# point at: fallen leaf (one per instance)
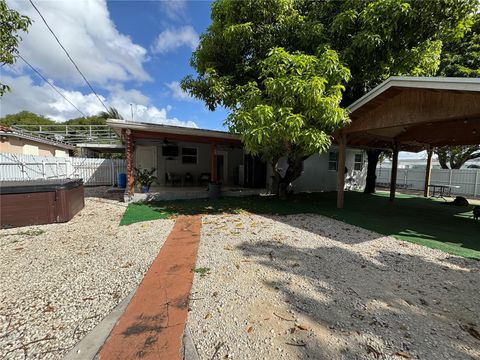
(208, 316)
(237, 266)
(301, 327)
(471, 330)
(250, 329)
(372, 350)
(403, 354)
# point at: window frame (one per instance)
(355, 162)
(334, 161)
(189, 156)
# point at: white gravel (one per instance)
(60, 280)
(306, 286)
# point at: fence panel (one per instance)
(30, 167)
(468, 180)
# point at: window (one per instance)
(332, 161)
(358, 165)
(189, 155)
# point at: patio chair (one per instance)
(172, 178)
(204, 179)
(188, 179)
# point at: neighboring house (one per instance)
(15, 142)
(187, 157)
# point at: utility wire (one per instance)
(49, 83)
(68, 55)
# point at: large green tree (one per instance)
(112, 113)
(291, 110)
(461, 58)
(461, 53)
(25, 118)
(375, 39)
(454, 157)
(11, 23)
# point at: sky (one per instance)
(134, 53)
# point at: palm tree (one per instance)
(112, 113)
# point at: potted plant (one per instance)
(214, 189)
(145, 178)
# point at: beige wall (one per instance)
(13, 145)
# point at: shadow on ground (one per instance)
(376, 306)
(416, 219)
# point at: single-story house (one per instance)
(186, 159)
(15, 142)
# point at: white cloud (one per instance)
(88, 33)
(177, 92)
(172, 39)
(174, 9)
(42, 99)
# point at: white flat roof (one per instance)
(170, 129)
(439, 83)
(100, 146)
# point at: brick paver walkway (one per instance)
(153, 323)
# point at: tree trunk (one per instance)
(370, 183)
(442, 158)
(294, 170)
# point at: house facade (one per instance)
(320, 170)
(186, 158)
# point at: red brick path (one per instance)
(153, 323)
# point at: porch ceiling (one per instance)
(416, 117)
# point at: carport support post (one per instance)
(129, 153)
(342, 145)
(213, 168)
(428, 172)
(393, 178)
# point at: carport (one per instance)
(412, 114)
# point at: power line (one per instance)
(68, 55)
(49, 83)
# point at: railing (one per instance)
(71, 134)
(30, 167)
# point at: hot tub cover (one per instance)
(33, 186)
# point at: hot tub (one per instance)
(36, 202)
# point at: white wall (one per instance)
(175, 165)
(316, 176)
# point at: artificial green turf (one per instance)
(416, 219)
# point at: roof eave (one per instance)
(439, 83)
(117, 126)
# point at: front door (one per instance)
(222, 167)
(146, 157)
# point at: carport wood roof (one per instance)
(416, 113)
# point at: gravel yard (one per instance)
(60, 280)
(307, 286)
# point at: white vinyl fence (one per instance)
(467, 179)
(30, 167)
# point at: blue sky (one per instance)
(133, 52)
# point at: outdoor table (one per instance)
(442, 191)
